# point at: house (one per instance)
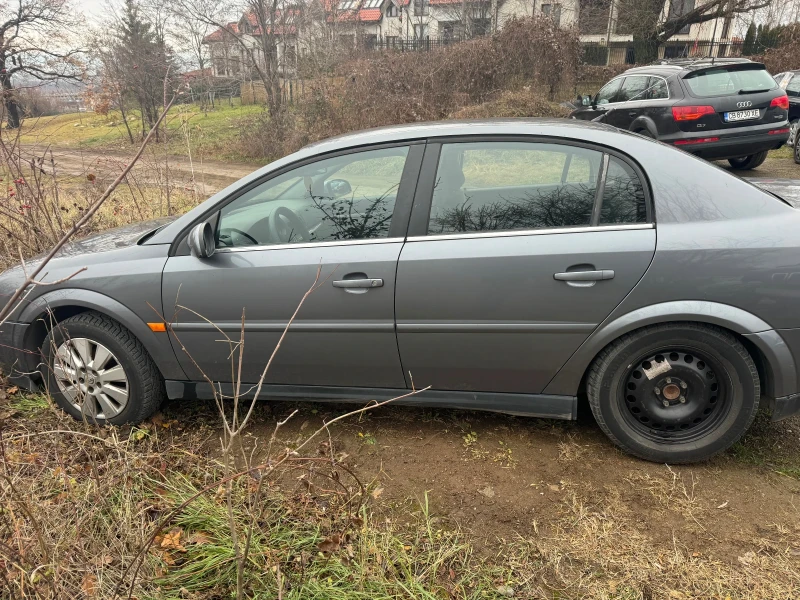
(604, 25)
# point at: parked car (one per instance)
(510, 265)
(722, 109)
(790, 81)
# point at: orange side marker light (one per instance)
(157, 326)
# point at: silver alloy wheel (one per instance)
(91, 377)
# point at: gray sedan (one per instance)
(510, 265)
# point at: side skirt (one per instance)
(526, 405)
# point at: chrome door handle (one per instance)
(358, 283)
(585, 275)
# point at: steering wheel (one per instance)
(286, 227)
(228, 235)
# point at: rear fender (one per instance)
(780, 362)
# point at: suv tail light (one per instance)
(691, 113)
(780, 102)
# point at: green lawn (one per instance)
(210, 133)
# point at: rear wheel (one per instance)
(745, 163)
(97, 370)
(796, 143)
(646, 133)
(674, 393)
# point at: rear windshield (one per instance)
(717, 82)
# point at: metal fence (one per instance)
(594, 53)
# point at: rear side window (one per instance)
(793, 87)
(502, 186)
(721, 81)
(623, 196)
(657, 89)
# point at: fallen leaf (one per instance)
(506, 591)
(723, 505)
(487, 491)
(330, 544)
(747, 558)
(695, 554)
(89, 585)
(172, 540)
(13, 390)
(376, 493)
(554, 488)
(199, 538)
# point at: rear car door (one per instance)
(517, 250)
(631, 97)
(345, 214)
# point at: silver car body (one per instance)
(477, 316)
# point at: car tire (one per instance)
(674, 393)
(646, 133)
(96, 370)
(745, 163)
(796, 146)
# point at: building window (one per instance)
(554, 12)
(678, 8)
(420, 31)
(373, 4)
(421, 7)
(392, 10)
(392, 41)
(347, 4)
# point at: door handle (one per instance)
(358, 283)
(585, 275)
(632, 113)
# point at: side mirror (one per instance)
(337, 187)
(201, 240)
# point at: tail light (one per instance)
(691, 113)
(696, 141)
(779, 131)
(780, 102)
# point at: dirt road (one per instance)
(209, 176)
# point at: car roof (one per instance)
(666, 67)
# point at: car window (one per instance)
(347, 197)
(500, 186)
(793, 87)
(633, 88)
(623, 195)
(608, 92)
(720, 81)
(657, 89)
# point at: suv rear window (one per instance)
(717, 82)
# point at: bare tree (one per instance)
(261, 26)
(35, 44)
(653, 22)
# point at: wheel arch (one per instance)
(772, 356)
(55, 306)
(647, 123)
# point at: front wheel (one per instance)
(796, 142)
(98, 371)
(674, 393)
(745, 163)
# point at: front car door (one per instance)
(630, 101)
(607, 95)
(345, 214)
(517, 250)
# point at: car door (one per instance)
(601, 101)
(517, 250)
(344, 214)
(631, 97)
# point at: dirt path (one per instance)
(208, 175)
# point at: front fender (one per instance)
(157, 344)
(777, 354)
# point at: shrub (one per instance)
(522, 103)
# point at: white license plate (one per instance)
(742, 115)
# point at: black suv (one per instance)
(726, 109)
(790, 81)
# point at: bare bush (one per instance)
(377, 89)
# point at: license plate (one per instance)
(742, 115)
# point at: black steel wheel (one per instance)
(677, 392)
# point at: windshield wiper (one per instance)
(750, 91)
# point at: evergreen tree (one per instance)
(749, 44)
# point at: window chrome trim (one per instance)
(321, 244)
(527, 232)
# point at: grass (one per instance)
(211, 133)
